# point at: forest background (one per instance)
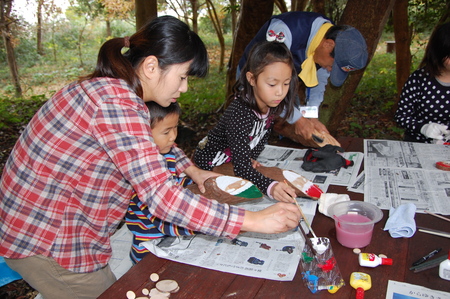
(49, 43)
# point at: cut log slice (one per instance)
(167, 286)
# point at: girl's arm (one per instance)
(240, 129)
(405, 116)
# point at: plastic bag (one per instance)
(320, 272)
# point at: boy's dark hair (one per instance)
(438, 49)
(261, 55)
(158, 112)
(167, 38)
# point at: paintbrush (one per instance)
(303, 215)
(438, 216)
(307, 240)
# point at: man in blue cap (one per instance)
(321, 50)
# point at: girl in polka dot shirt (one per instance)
(267, 85)
(424, 107)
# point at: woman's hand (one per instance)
(199, 176)
(283, 192)
(275, 219)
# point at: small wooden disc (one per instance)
(154, 277)
(131, 295)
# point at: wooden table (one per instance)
(196, 282)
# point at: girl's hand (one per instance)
(283, 192)
(277, 218)
(255, 164)
(199, 176)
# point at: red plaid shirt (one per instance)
(69, 179)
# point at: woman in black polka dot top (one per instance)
(424, 107)
(266, 87)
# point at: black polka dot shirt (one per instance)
(423, 100)
(239, 135)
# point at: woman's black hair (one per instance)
(167, 38)
(158, 112)
(438, 49)
(261, 55)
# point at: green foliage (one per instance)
(204, 96)
(19, 111)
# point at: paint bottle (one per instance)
(372, 260)
(360, 282)
(444, 268)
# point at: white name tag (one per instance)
(310, 111)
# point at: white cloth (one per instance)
(435, 131)
(327, 199)
(401, 223)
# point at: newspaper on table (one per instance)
(269, 256)
(292, 159)
(399, 172)
(357, 186)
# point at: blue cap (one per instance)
(350, 54)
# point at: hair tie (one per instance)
(126, 41)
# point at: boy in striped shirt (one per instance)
(143, 225)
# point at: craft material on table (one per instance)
(361, 282)
(429, 264)
(372, 260)
(320, 270)
(292, 159)
(303, 184)
(444, 268)
(397, 289)
(398, 172)
(434, 232)
(228, 189)
(436, 215)
(401, 223)
(274, 257)
(426, 257)
(354, 221)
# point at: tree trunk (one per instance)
(218, 28)
(194, 6)
(108, 28)
(298, 5)
(369, 19)
(253, 15)
(402, 33)
(234, 13)
(319, 6)
(39, 47)
(5, 21)
(281, 5)
(146, 10)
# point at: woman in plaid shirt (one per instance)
(69, 179)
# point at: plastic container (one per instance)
(361, 282)
(372, 260)
(444, 268)
(354, 221)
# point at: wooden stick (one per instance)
(438, 216)
(303, 215)
(435, 232)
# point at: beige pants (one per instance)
(53, 281)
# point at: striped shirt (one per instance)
(69, 179)
(145, 226)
